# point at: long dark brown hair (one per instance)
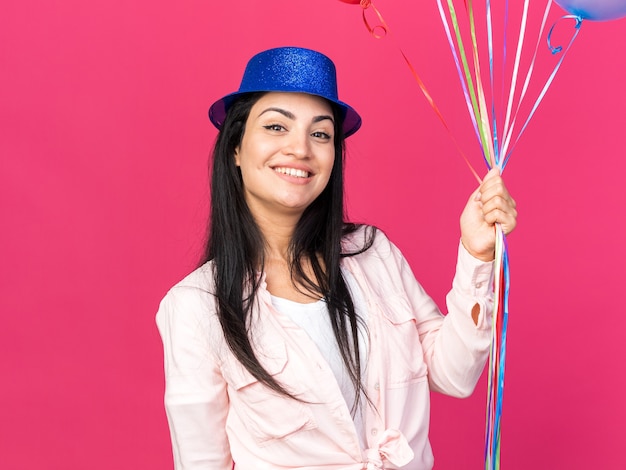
(235, 246)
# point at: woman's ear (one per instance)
(237, 162)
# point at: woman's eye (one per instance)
(321, 135)
(274, 127)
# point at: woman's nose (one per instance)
(298, 144)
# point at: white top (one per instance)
(313, 318)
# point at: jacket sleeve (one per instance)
(455, 348)
(196, 399)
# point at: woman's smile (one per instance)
(292, 172)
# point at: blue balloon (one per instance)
(596, 10)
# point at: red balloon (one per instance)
(354, 2)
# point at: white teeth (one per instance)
(292, 172)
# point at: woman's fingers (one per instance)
(497, 204)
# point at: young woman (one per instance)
(304, 341)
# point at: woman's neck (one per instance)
(277, 232)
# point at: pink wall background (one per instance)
(104, 140)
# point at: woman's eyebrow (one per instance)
(290, 115)
(284, 112)
(323, 117)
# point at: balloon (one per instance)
(597, 10)
(351, 1)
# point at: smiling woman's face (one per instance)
(287, 153)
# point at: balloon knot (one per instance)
(365, 4)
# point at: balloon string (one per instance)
(554, 50)
(365, 4)
(468, 102)
(492, 361)
(468, 78)
(491, 392)
(482, 103)
(518, 55)
(382, 26)
(507, 137)
(494, 121)
(497, 353)
(505, 322)
(504, 64)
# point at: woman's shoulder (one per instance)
(365, 239)
(200, 278)
(382, 269)
(192, 293)
(187, 318)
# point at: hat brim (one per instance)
(217, 112)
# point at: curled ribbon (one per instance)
(365, 4)
(382, 26)
(393, 447)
